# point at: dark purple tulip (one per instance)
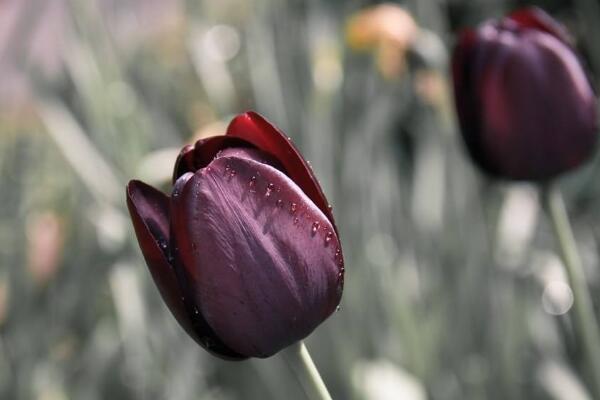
(245, 252)
(525, 105)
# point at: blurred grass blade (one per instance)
(79, 151)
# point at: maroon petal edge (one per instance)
(253, 128)
(149, 210)
(193, 157)
(536, 18)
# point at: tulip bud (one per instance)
(526, 108)
(245, 251)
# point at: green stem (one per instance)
(299, 359)
(585, 322)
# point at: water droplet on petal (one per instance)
(315, 227)
(270, 188)
(328, 237)
(296, 220)
(232, 173)
(279, 203)
(252, 183)
(293, 208)
(338, 308)
(329, 207)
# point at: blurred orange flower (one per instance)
(388, 30)
(45, 241)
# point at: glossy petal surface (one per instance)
(256, 130)
(203, 333)
(262, 258)
(149, 211)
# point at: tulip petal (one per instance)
(256, 130)
(465, 78)
(149, 211)
(185, 162)
(536, 18)
(193, 157)
(263, 259)
(203, 334)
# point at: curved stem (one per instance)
(585, 322)
(299, 359)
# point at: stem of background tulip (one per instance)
(299, 359)
(585, 322)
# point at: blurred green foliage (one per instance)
(453, 287)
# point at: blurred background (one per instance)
(453, 287)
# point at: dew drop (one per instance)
(279, 203)
(329, 207)
(338, 308)
(296, 220)
(227, 169)
(252, 183)
(270, 188)
(293, 208)
(328, 237)
(232, 173)
(315, 227)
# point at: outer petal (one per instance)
(203, 333)
(263, 260)
(185, 162)
(254, 129)
(465, 77)
(149, 210)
